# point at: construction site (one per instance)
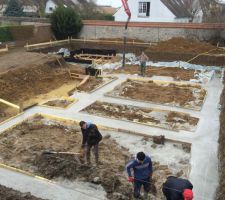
(173, 114)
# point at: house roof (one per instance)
(41, 2)
(107, 9)
(179, 7)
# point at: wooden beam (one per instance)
(10, 104)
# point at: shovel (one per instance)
(48, 152)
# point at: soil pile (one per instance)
(24, 83)
(183, 45)
(175, 72)
(221, 188)
(153, 117)
(23, 145)
(10, 194)
(188, 96)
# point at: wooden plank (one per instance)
(83, 81)
(10, 104)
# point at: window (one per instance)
(144, 9)
(51, 8)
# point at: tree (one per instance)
(14, 9)
(65, 22)
(213, 11)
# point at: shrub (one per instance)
(65, 22)
(5, 34)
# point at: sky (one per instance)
(114, 3)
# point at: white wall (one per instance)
(158, 12)
(50, 4)
(28, 9)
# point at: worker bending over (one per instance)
(91, 138)
(142, 174)
(177, 189)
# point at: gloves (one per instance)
(131, 179)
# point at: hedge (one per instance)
(16, 33)
(5, 34)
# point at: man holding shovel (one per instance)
(91, 138)
(142, 174)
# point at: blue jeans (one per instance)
(137, 187)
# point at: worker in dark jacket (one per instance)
(177, 189)
(91, 138)
(142, 174)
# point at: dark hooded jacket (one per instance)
(91, 135)
(174, 187)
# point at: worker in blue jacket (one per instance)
(139, 172)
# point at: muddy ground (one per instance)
(175, 72)
(94, 83)
(159, 118)
(61, 103)
(23, 145)
(10, 194)
(187, 96)
(221, 188)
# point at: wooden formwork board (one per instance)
(9, 104)
(6, 49)
(160, 83)
(103, 85)
(11, 118)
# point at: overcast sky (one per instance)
(114, 3)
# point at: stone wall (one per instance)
(151, 32)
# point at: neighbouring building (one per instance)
(36, 7)
(107, 9)
(152, 11)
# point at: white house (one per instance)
(149, 11)
(50, 6)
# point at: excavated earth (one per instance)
(23, 147)
(175, 72)
(61, 103)
(160, 118)
(185, 95)
(221, 188)
(10, 194)
(183, 45)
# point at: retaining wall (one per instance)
(151, 32)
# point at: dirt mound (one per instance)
(109, 173)
(185, 46)
(221, 188)
(23, 83)
(10, 194)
